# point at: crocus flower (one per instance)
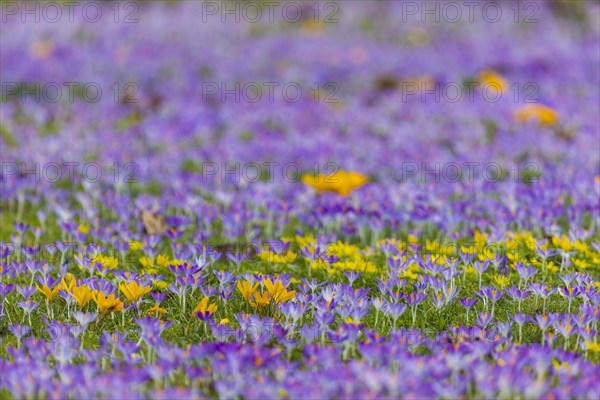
(467, 303)
(491, 78)
(247, 289)
(536, 112)
(152, 330)
(82, 293)
(570, 294)
(84, 319)
(544, 321)
(205, 311)
(484, 319)
(134, 291)
(525, 272)
(520, 319)
(5, 290)
(340, 182)
(278, 292)
(158, 296)
(28, 305)
(504, 328)
(49, 291)
(394, 310)
(26, 291)
(260, 300)
(21, 228)
(107, 304)
(19, 331)
(156, 309)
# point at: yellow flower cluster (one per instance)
(585, 258)
(439, 249)
(106, 261)
(502, 280)
(135, 245)
(340, 249)
(518, 246)
(83, 294)
(272, 257)
(275, 292)
(151, 264)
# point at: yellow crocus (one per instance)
(260, 300)
(134, 291)
(68, 281)
(536, 112)
(49, 293)
(105, 261)
(107, 304)
(490, 78)
(204, 310)
(284, 296)
(82, 293)
(278, 292)
(340, 182)
(247, 289)
(313, 27)
(156, 309)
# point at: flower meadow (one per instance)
(333, 200)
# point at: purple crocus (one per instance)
(520, 319)
(467, 303)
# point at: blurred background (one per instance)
(166, 97)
